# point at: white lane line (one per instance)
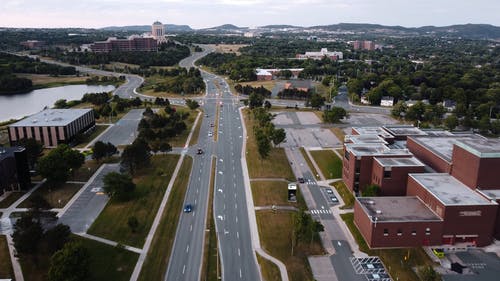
(239, 253)
(191, 228)
(236, 219)
(187, 249)
(193, 213)
(199, 178)
(195, 201)
(235, 206)
(197, 190)
(238, 234)
(183, 269)
(224, 207)
(240, 274)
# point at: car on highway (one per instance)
(206, 115)
(334, 199)
(199, 151)
(329, 191)
(212, 125)
(301, 180)
(188, 208)
(210, 134)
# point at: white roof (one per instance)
(51, 118)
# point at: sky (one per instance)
(249, 13)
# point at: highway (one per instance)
(238, 260)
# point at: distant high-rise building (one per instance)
(363, 45)
(158, 31)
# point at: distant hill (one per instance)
(472, 31)
(226, 27)
(146, 28)
(279, 26)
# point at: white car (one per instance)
(210, 134)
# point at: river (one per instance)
(18, 106)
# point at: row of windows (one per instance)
(400, 232)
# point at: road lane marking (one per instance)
(191, 228)
(238, 234)
(239, 253)
(240, 274)
(183, 269)
(236, 219)
(187, 249)
(235, 206)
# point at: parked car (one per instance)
(329, 191)
(334, 199)
(301, 180)
(188, 208)
(199, 151)
(210, 134)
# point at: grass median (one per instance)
(309, 163)
(196, 133)
(270, 271)
(328, 162)
(399, 262)
(156, 263)
(346, 195)
(151, 183)
(6, 271)
(276, 165)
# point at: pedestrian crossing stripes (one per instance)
(321, 211)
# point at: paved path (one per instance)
(251, 213)
(109, 242)
(279, 208)
(315, 165)
(159, 213)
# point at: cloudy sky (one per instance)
(208, 13)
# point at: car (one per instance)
(188, 208)
(210, 134)
(199, 151)
(334, 199)
(212, 125)
(329, 191)
(206, 115)
(301, 180)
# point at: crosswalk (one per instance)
(320, 211)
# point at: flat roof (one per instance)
(449, 190)
(492, 194)
(404, 130)
(372, 131)
(51, 117)
(483, 148)
(399, 162)
(396, 209)
(374, 149)
(443, 146)
(8, 152)
(364, 139)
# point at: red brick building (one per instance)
(452, 176)
(133, 43)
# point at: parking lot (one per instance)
(371, 267)
(479, 266)
(124, 131)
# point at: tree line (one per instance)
(182, 81)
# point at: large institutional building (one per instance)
(321, 54)
(158, 32)
(14, 169)
(132, 43)
(436, 187)
(53, 126)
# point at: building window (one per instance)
(400, 232)
(413, 232)
(387, 174)
(386, 232)
(346, 155)
(427, 231)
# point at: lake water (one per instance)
(18, 106)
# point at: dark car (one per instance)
(301, 180)
(199, 151)
(188, 208)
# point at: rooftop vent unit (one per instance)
(378, 212)
(370, 202)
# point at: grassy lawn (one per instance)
(150, 82)
(229, 48)
(11, 198)
(156, 263)
(106, 262)
(394, 259)
(6, 271)
(46, 81)
(346, 195)
(88, 168)
(196, 133)
(270, 272)
(266, 193)
(339, 133)
(88, 138)
(328, 162)
(276, 165)
(180, 140)
(275, 231)
(151, 182)
(112, 119)
(56, 196)
(309, 163)
(266, 84)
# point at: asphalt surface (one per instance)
(238, 260)
(124, 131)
(89, 203)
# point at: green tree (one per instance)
(334, 115)
(278, 136)
(59, 162)
(56, 237)
(135, 155)
(71, 263)
(315, 101)
(371, 190)
(255, 100)
(102, 150)
(119, 186)
(27, 234)
(60, 103)
(451, 122)
(33, 148)
(427, 273)
(192, 104)
(263, 145)
(399, 109)
(133, 223)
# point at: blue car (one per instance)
(188, 208)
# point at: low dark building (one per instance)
(14, 169)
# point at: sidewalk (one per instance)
(254, 231)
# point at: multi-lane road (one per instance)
(238, 261)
